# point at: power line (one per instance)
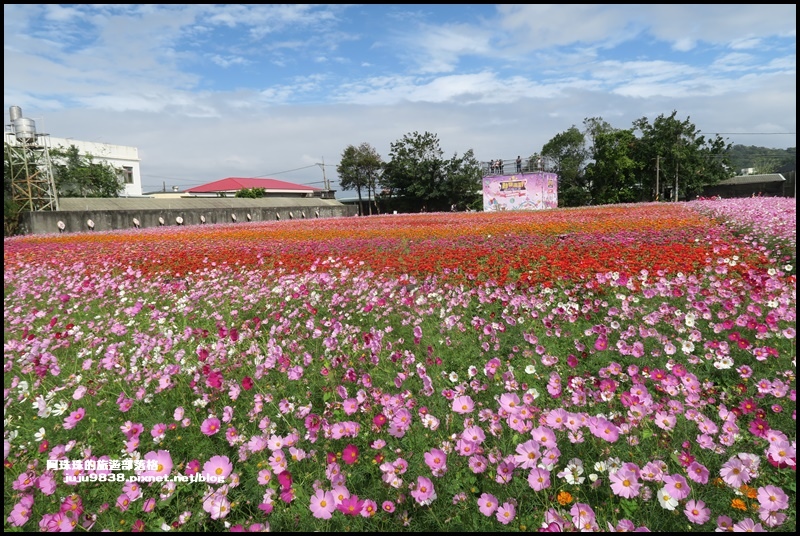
(758, 133)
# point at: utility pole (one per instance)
(324, 177)
(658, 192)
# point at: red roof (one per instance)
(238, 183)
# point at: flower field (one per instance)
(611, 368)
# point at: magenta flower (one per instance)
(192, 468)
(72, 420)
(487, 504)
(217, 468)
(697, 512)
(247, 383)
(210, 426)
(350, 454)
(322, 504)
(351, 506)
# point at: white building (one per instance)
(121, 157)
(21, 133)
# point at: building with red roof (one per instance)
(273, 188)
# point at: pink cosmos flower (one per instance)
(217, 468)
(487, 504)
(527, 454)
(624, 483)
(162, 462)
(539, 479)
(388, 506)
(697, 472)
(72, 420)
(677, 486)
(463, 404)
(210, 426)
(582, 516)
(123, 502)
(369, 508)
(506, 513)
(247, 383)
(21, 512)
(322, 504)
(436, 460)
(149, 505)
(217, 505)
(734, 473)
(772, 498)
(748, 525)
(424, 493)
(697, 512)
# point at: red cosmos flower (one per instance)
(247, 383)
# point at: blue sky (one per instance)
(242, 90)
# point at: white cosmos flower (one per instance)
(60, 408)
(666, 501)
(39, 436)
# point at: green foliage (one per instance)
(11, 209)
(78, 175)
(566, 155)
(604, 165)
(676, 158)
(360, 167)
(762, 159)
(418, 172)
(251, 193)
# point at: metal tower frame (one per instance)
(32, 181)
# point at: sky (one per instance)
(207, 92)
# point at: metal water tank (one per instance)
(14, 113)
(25, 130)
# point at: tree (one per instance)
(677, 160)
(418, 175)
(78, 175)
(566, 155)
(251, 193)
(613, 174)
(11, 209)
(360, 167)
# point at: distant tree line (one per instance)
(668, 159)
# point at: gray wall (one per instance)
(112, 219)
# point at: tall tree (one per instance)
(418, 174)
(566, 155)
(360, 167)
(78, 175)
(613, 174)
(677, 161)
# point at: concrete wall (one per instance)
(107, 219)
